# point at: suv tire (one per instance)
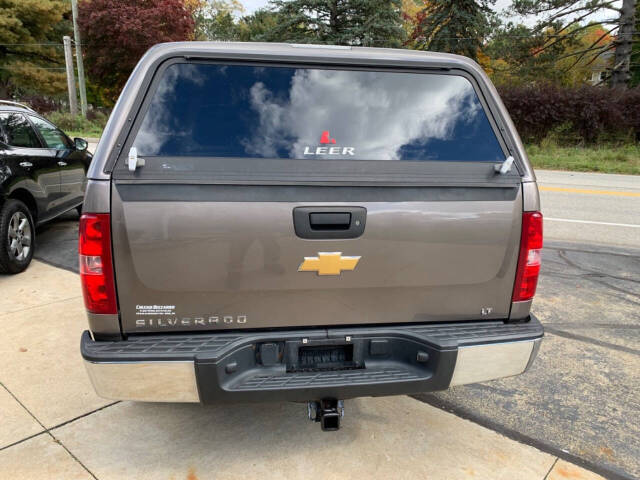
(17, 237)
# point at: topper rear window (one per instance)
(211, 110)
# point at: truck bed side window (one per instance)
(305, 113)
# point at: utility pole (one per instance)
(76, 37)
(71, 81)
(620, 75)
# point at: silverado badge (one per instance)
(328, 263)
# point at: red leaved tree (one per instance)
(115, 34)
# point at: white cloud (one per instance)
(376, 112)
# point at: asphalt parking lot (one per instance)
(579, 405)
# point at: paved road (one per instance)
(591, 208)
(581, 400)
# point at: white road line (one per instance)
(630, 225)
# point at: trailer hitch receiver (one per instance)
(328, 412)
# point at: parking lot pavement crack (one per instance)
(593, 341)
(589, 272)
(551, 469)
(595, 252)
(22, 440)
(26, 409)
(84, 415)
(48, 431)
(595, 280)
(72, 455)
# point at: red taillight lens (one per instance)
(529, 259)
(96, 269)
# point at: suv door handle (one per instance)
(62, 164)
(329, 222)
(26, 164)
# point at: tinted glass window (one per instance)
(53, 137)
(18, 131)
(278, 112)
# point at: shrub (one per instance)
(90, 126)
(41, 103)
(582, 115)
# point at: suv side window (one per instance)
(18, 131)
(53, 137)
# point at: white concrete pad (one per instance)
(392, 437)
(40, 284)
(40, 350)
(15, 422)
(40, 458)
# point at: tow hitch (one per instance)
(328, 412)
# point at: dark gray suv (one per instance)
(309, 223)
(42, 175)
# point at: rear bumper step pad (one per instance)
(265, 366)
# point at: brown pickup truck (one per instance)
(271, 222)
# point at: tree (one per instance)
(569, 17)
(635, 52)
(257, 26)
(215, 19)
(28, 63)
(454, 26)
(118, 33)
(516, 55)
(371, 23)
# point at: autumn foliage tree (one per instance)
(29, 62)
(116, 34)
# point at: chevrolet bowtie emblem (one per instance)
(328, 263)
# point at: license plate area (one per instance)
(323, 357)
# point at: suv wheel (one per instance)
(17, 237)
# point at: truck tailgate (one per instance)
(207, 263)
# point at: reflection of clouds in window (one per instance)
(158, 127)
(376, 112)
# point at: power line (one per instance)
(15, 69)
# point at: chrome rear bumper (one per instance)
(233, 372)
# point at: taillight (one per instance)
(529, 259)
(96, 269)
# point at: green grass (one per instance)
(92, 133)
(78, 126)
(603, 159)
